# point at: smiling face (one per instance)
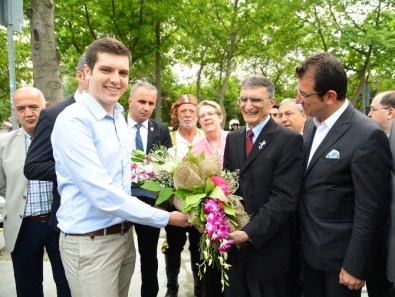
(108, 79)
(209, 119)
(142, 105)
(255, 113)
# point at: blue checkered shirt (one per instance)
(39, 193)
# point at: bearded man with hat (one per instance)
(184, 134)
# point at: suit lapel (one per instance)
(151, 135)
(308, 136)
(261, 143)
(338, 129)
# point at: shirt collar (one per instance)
(78, 96)
(329, 122)
(257, 129)
(96, 109)
(132, 123)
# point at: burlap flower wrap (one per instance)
(188, 175)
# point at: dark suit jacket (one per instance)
(346, 191)
(40, 163)
(391, 228)
(270, 179)
(158, 134)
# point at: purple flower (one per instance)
(210, 205)
(225, 245)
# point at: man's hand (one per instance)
(350, 281)
(178, 219)
(239, 237)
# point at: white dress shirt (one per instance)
(92, 153)
(324, 127)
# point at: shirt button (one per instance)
(24, 197)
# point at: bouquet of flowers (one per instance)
(197, 187)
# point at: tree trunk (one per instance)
(45, 56)
(158, 63)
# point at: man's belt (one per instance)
(41, 218)
(115, 229)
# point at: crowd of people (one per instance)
(316, 177)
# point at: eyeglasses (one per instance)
(303, 95)
(210, 114)
(253, 100)
(373, 109)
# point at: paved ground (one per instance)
(7, 284)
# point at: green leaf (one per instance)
(229, 210)
(209, 185)
(218, 193)
(193, 200)
(164, 195)
(182, 193)
(202, 215)
(151, 186)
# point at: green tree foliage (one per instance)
(23, 68)
(224, 41)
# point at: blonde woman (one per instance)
(210, 117)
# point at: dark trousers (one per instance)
(377, 283)
(212, 282)
(176, 238)
(242, 286)
(147, 239)
(27, 260)
(318, 283)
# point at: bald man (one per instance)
(28, 204)
(382, 110)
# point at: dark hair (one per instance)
(257, 81)
(105, 45)
(328, 74)
(388, 99)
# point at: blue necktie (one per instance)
(139, 141)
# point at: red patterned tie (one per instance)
(249, 142)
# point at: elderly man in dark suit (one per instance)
(145, 133)
(270, 159)
(346, 187)
(40, 163)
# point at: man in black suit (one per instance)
(270, 179)
(40, 163)
(391, 227)
(346, 186)
(146, 133)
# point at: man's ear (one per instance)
(331, 97)
(390, 113)
(87, 71)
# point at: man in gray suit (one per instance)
(345, 191)
(28, 204)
